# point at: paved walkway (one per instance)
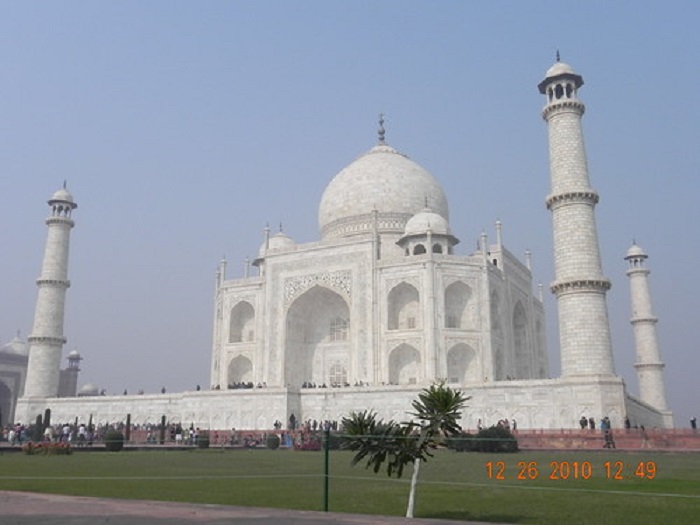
(27, 508)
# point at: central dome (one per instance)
(384, 180)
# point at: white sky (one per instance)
(183, 127)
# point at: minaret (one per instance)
(579, 285)
(649, 366)
(46, 340)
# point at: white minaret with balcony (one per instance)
(649, 366)
(579, 284)
(46, 340)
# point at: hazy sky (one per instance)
(182, 128)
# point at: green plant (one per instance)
(462, 442)
(496, 439)
(203, 440)
(272, 442)
(438, 408)
(113, 440)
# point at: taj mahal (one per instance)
(380, 307)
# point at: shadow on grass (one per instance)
(468, 516)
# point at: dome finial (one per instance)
(558, 57)
(382, 131)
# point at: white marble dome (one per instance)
(381, 179)
(636, 251)
(277, 243)
(62, 195)
(559, 68)
(425, 220)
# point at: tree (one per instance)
(437, 410)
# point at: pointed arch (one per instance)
(240, 370)
(318, 337)
(403, 307)
(404, 365)
(242, 323)
(462, 366)
(521, 346)
(457, 296)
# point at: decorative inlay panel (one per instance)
(340, 282)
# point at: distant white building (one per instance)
(381, 307)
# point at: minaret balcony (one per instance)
(563, 106)
(589, 197)
(47, 339)
(58, 283)
(60, 220)
(648, 319)
(580, 285)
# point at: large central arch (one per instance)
(317, 342)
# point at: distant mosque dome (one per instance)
(16, 347)
(427, 220)
(88, 390)
(383, 180)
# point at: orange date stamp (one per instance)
(563, 470)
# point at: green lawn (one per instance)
(452, 485)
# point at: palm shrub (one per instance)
(437, 410)
(113, 440)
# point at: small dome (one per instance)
(74, 355)
(62, 195)
(425, 220)
(88, 390)
(559, 68)
(16, 347)
(381, 179)
(635, 251)
(277, 243)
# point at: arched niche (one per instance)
(317, 337)
(242, 323)
(462, 366)
(240, 370)
(403, 307)
(404, 365)
(457, 296)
